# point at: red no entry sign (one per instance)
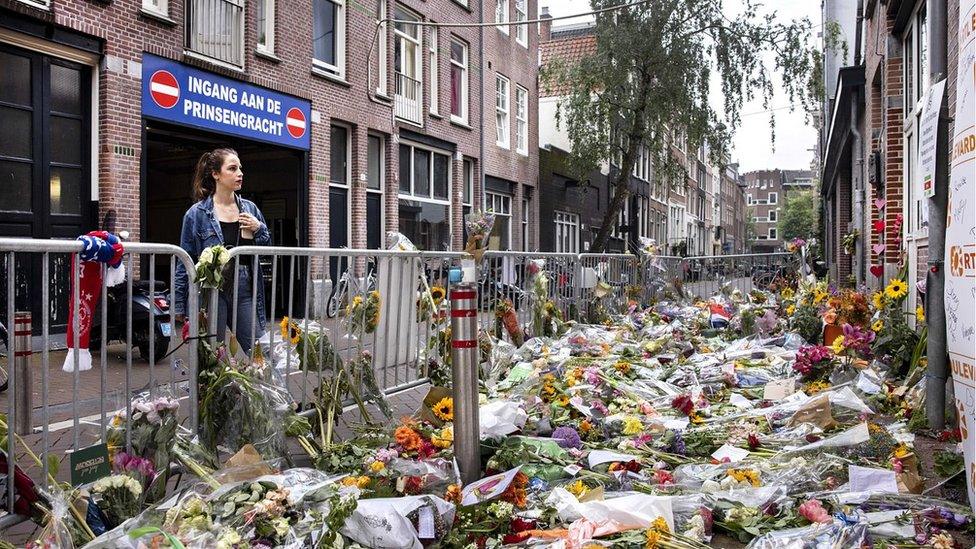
(295, 120)
(164, 88)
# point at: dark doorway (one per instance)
(45, 171)
(374, 226)
(338, 228)
(274, 178)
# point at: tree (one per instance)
(799, 218)
(646, 82)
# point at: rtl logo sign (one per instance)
(962, 261)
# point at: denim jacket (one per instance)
(202, 230)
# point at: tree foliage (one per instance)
(647, 82)
(799, 217)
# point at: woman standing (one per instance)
(220, 216)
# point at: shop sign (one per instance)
(185, 95)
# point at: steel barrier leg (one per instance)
(464, 368)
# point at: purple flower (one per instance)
(567, 437)
(600, 407)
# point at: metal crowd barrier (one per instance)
(75, 410)
(705, 276)
(506, 275)
(318, 284)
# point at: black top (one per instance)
(232, 235)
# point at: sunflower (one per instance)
(896, 289)
(919, 314)
(437, 294)
(290, 331)
(877, 299)
(563, 401)
(787, 293)
(819, 296)
(790, 310)
(878, 325)
(444, 409)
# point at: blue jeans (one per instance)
(246, 323)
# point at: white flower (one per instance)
(696, 528)
(727, 483)
(224, 256)
(710, 487)
(206, 256)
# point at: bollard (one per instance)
(20, 373)
(464, 367)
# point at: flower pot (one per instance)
(831, 332)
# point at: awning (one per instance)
(850, 87)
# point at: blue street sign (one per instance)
(178, 93)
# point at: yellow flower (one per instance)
(362, 481)
(745, 475)
(838, 345)
(290, 331)
(377, 466)
(660, 525)
(896, 289)
(632, 425)
(577, 489)
(356, 300)
(787, 293)
(444, 409)
(815, 387)
(653, 537)
(877, 299)
(902, 451)
(818, 296)
(563, 400)
(444, 439)
(790, 310)
(919, 314)
(437, 294)
(622, 367)
(878, 325)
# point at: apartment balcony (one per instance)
(216, 30)
(408, 103)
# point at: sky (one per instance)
(753, 147)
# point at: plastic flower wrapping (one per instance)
(677, 421)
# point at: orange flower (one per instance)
(830, 316)
(585, 426)
(407, 438)
(453, 494)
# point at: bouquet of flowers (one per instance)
(429, 305)
(813, 362)
(152, 431)
(506, 317)
(479, 225)
(364, 313)
(118, 496)
(210, 267)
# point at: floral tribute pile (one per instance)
(783, 417)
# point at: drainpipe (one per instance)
(857, 161)
(481, 107)
(935, 378)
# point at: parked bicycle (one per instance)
(348, 285)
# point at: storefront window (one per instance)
(426, 224)
(501, 234)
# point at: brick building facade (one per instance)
(397, 126)
(869, 140)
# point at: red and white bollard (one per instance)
(464, 369)
(20, 375)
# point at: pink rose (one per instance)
(813, 511)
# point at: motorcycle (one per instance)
(144, 300)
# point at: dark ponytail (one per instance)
(204, 184)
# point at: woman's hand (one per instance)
(248, 222)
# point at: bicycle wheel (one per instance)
(335, 300)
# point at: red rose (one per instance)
(753, 441)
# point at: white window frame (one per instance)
(430, 170)
(463, 65)
(521, 31)
(339, 69)
(467, 175)
(503, 120)
(159, 7)
(772, 198)
(435, 71)
(521, 120)
(348, 129)
(501, 15)
(773, 234)
(269, 27)
(773, 216)
(915, 43)
(496, 203)
(567, 232)
(525, 224)
(381, 84)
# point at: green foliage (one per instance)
(948, 463)
(648, 80)
(799, 218)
